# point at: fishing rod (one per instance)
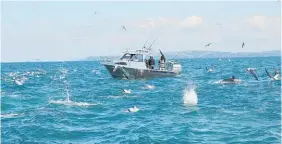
(144, 46)
(152, 44)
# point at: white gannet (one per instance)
(126, 91)
(19, 82)
(134, 109)
(123, 27)
(243, 44)
(208, 44)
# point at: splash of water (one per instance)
(68, 102)
(71, 103)
(149, 87)
(190, 96)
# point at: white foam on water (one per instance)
(125, 96)
(217, 82)
(237, 81)
(149, 87)
(190, 97)
(71, 103)
(68, 102)
(19, 82)
(63, 70)
(10, 115)
(95, 71)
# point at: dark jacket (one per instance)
(151, 61)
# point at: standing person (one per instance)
(162, 63)
(151, 62)
(147, 63)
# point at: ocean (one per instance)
(79, 102)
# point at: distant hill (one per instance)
(218, 54)
(97, 58)
(201, 54)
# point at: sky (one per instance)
(70, 30)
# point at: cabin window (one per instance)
(126, 57)
(137, 58)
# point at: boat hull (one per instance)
(132, 73)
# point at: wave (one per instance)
(71, 103)
(10, 115)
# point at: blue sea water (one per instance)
(37, 111)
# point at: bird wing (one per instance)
(254, 74)
(268, 73)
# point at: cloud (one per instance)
(191, 21)
(264, 22)
(257, 21)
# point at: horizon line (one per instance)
(85, 60)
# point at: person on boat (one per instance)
(147, 63)
(162, 63)
(151, 62)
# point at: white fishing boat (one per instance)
(139, 64)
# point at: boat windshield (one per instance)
(137, 58)
(127, 56)
(132, 57)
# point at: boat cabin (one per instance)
(134, 59)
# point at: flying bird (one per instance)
(123, 27)
(95, 13)
(208, 44)
(243, 44)
(269, 75)
(253, 72)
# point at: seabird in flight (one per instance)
(208, 44)
(123, 27)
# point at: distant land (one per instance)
(201, 54)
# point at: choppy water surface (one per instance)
(79, 102)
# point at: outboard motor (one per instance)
(175, 67)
